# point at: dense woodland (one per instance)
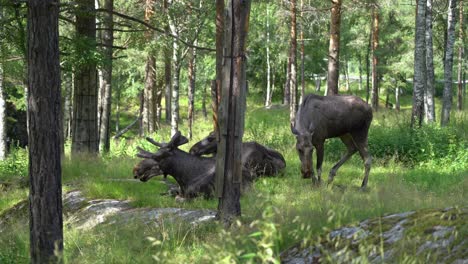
(82, 83)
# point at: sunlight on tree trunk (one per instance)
(293, 63)
(448, 64)
(430, 89)
(334, 49)
(375, 46)
(460, 61)
(3, 136)
(45, 186)
(419, 83)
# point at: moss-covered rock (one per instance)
(427, 236)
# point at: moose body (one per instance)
(195, 175)
(256, 158)
(323, 117)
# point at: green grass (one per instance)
(412, 169)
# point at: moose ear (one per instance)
(294, 130)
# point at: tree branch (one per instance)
(153, 28)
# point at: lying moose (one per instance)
(195, 175)
(257, 159)
(322, 117)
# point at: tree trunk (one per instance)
(375, 45)
(85, 130)
(420, 69)
(368, 53)
(460, 61)
(334, 49)
(191, 89)
(175, 93)
(268, 91)
(3, 117)
(67, 106)
(108, 41)
(318, 82)
(397, 98)
(45, 191)
(141, 129)
(360, 72)
(430, 90)
(287, 91)
(117, 109)
(448, 64)
(232, 111)
(216, 86)
(293, 62)
(149, 110)
(167, 71)
(204, 112)
(346, 70)
(302, 54)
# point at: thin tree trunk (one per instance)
(397, 98)
(375, 45)
(216, 87)
(430, 90)
(149, 107)
(448, 64)
(318, 82)
(108, 41)
(204, 112)
(67, 106)
(191, 89)
(3, 132)
(175, 92)
(460, 61)
(360, 72)
(167, 71)
(268, 91)
(334, 49)
(232, 112)
(346, 70)
(85, 131)
(368, 53)
(293, 62)
(141, 129)
(302, 54)
(287, 91)
(420, 69)
(117, 109)
(45, 191)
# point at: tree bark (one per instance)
(117, 108)
(108, 41)
(268, 91)
(85, 130)
(334, 48)
(430, 90)
(67, 107)
(302, 55)
(204, 112)
(232, 111)
(287, 90)
(460, 61)
(3, 132)
(448, 64)
(419, 83)
(191, 89)
(368, 53)
(44, 100)
(360, 72)
(375, 45)
(293, 62)
(167, 70)
(149, 109)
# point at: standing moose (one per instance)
(322, 117)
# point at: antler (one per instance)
(152, 141)
(149, 155)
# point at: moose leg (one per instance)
(319, 148)
(366, 157)
(351, 147)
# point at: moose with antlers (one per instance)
(195, 175)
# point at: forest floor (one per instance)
(412, 170)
